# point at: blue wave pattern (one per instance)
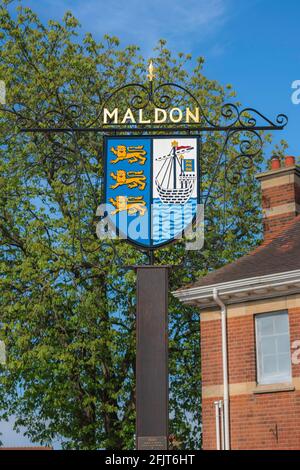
(170, 220)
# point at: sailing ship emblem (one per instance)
(176, 178)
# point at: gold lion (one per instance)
(130, 204)
(132, 179)
(132, 154)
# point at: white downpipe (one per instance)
(222, 425)
(221, 304)
(218, 442)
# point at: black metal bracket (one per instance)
(231, 117)
(241, 127)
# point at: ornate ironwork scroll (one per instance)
(242, 127)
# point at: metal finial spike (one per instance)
(151, 74)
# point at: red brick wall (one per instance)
(211, 352)
(278, 196)
(253, 417)
(294, 321)
(241, 352)
(272, 225)
(283, 194)
(253, 420)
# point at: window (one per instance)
(273, 348)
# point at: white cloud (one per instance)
(184, 23)
(146, 21)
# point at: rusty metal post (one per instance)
(152, 358)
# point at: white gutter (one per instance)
(221, 304)
(288, 279)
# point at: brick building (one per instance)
(250, 330)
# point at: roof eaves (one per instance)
(240, 289)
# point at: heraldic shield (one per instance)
(151, 187)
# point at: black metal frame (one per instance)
(235, 120)
(232, 121)
(239, 119)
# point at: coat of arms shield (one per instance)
(151, 187)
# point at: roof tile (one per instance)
(280, 254)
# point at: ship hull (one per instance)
(175, 195)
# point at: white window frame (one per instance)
(275, 379)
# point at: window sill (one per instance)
(272, 388)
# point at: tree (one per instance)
(67, 301)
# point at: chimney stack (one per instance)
(280, 189)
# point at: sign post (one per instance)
(152, 358)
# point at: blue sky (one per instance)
(252, 44)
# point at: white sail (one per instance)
(174, 184)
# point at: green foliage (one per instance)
(279, 150)
(67, 302)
